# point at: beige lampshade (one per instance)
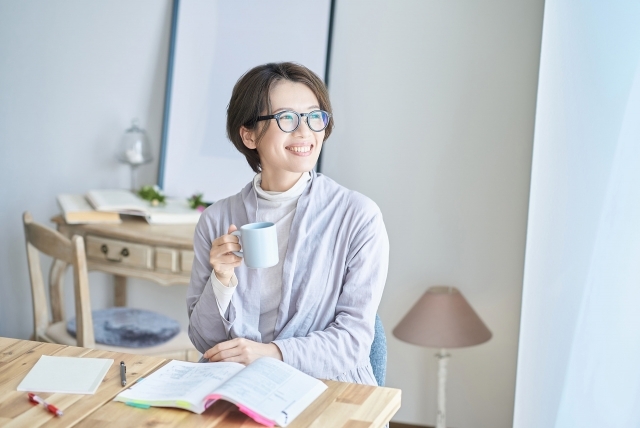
(442, 318)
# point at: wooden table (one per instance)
(341, 405)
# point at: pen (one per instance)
(123, 373)
(50, 407)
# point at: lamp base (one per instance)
(443, 358)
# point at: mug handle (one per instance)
(239, 235)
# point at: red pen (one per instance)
(50, 407)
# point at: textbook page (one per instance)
(180, 384)
(273, 389)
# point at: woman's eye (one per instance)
(287, 117)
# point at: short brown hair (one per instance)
(250, 98)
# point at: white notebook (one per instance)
(70, 375)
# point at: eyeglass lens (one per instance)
(289, 121)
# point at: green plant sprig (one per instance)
(196, 202)
(153, 194)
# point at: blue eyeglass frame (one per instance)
(300, 116)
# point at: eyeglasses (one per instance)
(288, 121)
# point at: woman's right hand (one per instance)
(222, 259)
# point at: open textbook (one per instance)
(269, 391)
(175, 211)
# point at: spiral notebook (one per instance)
(69, 375)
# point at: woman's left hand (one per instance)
(242, 351)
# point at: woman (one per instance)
(315, 310)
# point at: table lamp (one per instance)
(442, 318)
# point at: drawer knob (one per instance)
(105, 250)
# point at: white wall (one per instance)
(434, 104)
(580, 338)
(72, 76)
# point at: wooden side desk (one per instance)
(134, 248)
(341, 405)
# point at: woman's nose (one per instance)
(303, 129)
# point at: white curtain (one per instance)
(579, 353)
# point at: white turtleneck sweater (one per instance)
(278, 208)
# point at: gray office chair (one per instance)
(378, 353)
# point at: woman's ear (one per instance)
(248, 137)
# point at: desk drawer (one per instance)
(186, 260)
(166, 259)
(119, 252)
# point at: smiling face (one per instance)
(285, 156)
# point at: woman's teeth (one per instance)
(299, 149)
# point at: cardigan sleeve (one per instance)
(345, 344)
(207, 326)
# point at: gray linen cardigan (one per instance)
(333, 276)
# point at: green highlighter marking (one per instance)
(183, 404)
(138, 405)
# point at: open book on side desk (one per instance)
(175, 211)
(76, 209)
(267, 390)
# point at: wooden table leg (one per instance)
(120, 290)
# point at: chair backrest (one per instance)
(40, 238)
(378, 353)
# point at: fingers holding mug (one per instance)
(222, 258)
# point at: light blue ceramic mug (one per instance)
(259, 242)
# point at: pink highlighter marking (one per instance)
(210, 399)
(256, 417)
(253, 415)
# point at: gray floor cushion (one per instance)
(129, 327)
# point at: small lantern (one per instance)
(134, 150)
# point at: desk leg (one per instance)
(56, 283)
(120, 298)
